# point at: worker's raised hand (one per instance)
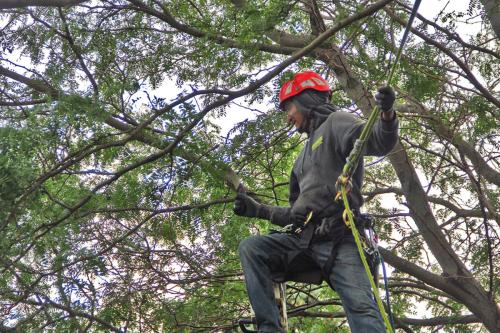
(385, 98)
(244, 205)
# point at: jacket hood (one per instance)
(315, 108)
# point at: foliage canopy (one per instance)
(119, 157)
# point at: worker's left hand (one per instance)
(385, 98)
(244, 205)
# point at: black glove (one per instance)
(385, 98)
(298, 216)
(298, 219)
(245, 205)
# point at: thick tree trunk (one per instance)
(473, 295)
(492, 9)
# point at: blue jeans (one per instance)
(258, 257)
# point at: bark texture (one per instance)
(492, 8)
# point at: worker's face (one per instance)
(294, 117)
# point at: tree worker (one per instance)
(318, 238)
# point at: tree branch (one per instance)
(493, 14)
(442, 320)
(463, 146)
(7, 4)
(471, 77)
(410, 268)
(452, 35)
(436, 200)
(73, 312)
(216, 37)
(435, 321)
(37, 85)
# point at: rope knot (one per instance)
(343, 182)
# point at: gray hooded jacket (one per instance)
(319, 164)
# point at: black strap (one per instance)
(327, 268)
(306, 236)
(329, 265)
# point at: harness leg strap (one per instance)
(329, 265)
(305, 236)
(327, 268)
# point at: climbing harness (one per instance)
(344, 180)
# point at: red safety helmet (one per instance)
(300, 82)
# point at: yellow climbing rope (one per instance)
(349, 220)
(344, 180)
